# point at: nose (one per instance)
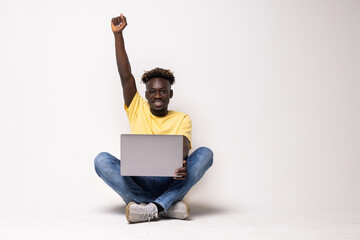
(157, 94)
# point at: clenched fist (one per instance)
(118, 24)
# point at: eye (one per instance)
(152, 92)
(163, 91)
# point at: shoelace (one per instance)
(149, 214)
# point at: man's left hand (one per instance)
(181, 173)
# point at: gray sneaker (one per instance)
(178, 210)
(141, 213)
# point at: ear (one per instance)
(171, 93)
(146, 95)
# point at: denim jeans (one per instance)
(161, 190)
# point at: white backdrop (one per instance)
(272, 88)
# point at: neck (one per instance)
(159, 113)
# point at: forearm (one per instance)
(181, 173)
(185, 148)
(122, 59)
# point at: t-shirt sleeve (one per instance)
(185, 128)
(132, 110)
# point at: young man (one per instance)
(150, 197)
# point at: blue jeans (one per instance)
(161, 190)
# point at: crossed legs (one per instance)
(161, 190)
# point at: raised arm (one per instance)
(127, 79)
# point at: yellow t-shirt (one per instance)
(142, 121)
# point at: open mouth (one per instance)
(158, 103)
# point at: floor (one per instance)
(106, 220)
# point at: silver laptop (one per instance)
(151, 155)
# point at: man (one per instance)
(151, 197)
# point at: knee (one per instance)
(100, 161)
(207, 156)
(100, 158)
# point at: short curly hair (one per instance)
(158, 73)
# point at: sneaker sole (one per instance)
(187, 209)
(127, 211)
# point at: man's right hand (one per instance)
(118, 24)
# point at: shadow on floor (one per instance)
(196, 209)
(115, 209)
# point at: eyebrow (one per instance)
(157, 88)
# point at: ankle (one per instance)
(159, 207)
